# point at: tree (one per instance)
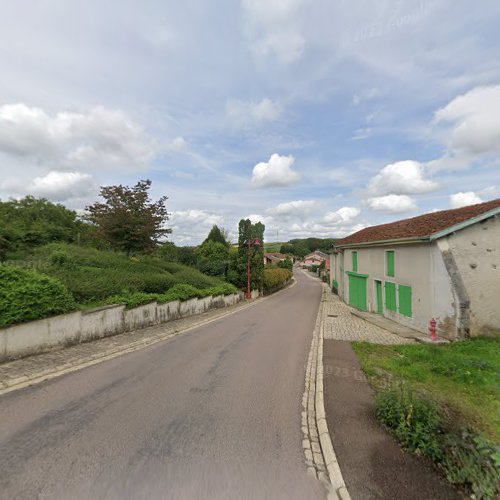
(128, 219)
(213, 258)
(31, 221)
(217, 235)
(249, 232)
(169, 251)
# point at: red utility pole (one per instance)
(250, 242)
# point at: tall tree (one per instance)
(217, 235)
(128, 219)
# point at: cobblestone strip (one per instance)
(320, 456)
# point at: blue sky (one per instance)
(316, 117)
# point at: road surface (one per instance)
(212, 413)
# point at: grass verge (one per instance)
(442, 402)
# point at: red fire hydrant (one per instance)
(432, 328)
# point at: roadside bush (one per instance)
(27, 295)
(414, 421)
(275, 278)
(468, 459)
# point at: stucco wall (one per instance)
(476, 251)
(37, 336)
(413, 267)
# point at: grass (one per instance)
(272, 247)
(463, 378)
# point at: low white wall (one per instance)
(36, 336)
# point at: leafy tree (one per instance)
(249, 232)
(213, 258)
(31, 221)
(286, 264)
(169, 251)
(217, 235)
(287, 248)
(128, 219)
(188, 256)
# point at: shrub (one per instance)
(414, 421)
(275, 278)
(467, 458)
(27, 295)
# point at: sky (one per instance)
(316, 117)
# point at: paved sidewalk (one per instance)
(21, 372)
(340, 324)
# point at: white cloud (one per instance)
(361, 133)
(299, 208)
(96, 139)
(392, 203)
(463, 199)
(276, 172)
(402, 177)
(177, 145)
(475, 121)
(245, 113)
(274, 28)
(343, 215)
(62, 186)
(193, 225)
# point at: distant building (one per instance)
(274, 257)
(443, 265)
(314, 259)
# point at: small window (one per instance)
(354, 262)
(390, 296)
(390, 263)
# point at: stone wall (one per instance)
(82, 326)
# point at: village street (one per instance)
(212, 413)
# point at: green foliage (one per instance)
(468, 459)
(33, 221)
(93, 275)
(213, 258)
(217, 235)
(128, 220)
(462, 375)
(286, 264)
(169, 252)
(180, 292)
(275, 278)
(253, 233)
(26, 295)
(188, 256)
(413, 420)
(455, 418)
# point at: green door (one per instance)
(380, 305)
(357, 291)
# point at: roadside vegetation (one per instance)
(443, 402)
(53, 261)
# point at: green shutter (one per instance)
(390, 263)
(404, 293)
(354, 262)
(390, 296)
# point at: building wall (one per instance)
(476, 251)
(416, 266)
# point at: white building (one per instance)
(443, 265)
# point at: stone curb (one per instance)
(322, 465)
(26, 380)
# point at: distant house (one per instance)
(443, 265)
(314, 259)
(274, 258)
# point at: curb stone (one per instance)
(322, 465)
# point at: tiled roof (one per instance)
(419, 227)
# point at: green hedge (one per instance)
(27, 295)
(180, 292)
(275, 278)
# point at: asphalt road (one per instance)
(212, 413)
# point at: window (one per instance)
(390, 268)
(404, 293)
(354, 262)
(390, 296)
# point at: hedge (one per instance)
(27, 295)
(275, 278)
